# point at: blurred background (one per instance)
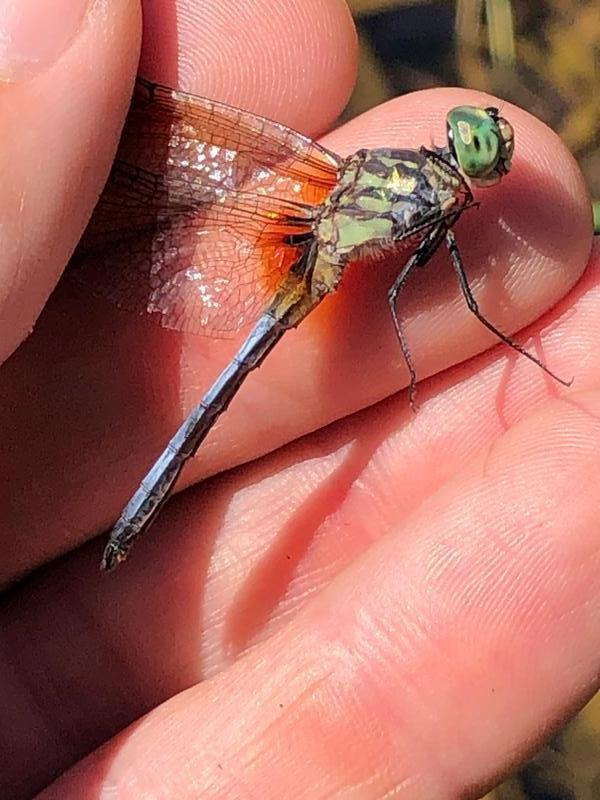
(543, 56)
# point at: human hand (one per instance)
(392, 604)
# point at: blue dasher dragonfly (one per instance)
(214, 217)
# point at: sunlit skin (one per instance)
(393, 603)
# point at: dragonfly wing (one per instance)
(193, 226)
(194, 259)
(230, 147)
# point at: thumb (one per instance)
(67, 69)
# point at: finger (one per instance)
(293, 61)
(483, 606)
(276, 533)
(295, 50)
(230, 563)
(72, 67)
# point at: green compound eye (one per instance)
(482, 142)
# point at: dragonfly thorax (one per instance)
(383, 197)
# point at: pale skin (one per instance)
(397, 605)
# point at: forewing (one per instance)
(231, 148)
(193, 226)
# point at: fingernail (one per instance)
(35, 33)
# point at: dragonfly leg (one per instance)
(421, 256)
(474, 309)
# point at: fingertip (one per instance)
(294, 61)
(33, 35)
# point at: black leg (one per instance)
(474, 308)
(421, 255)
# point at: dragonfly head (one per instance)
(482, 142)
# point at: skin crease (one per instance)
(396, 605)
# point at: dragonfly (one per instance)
(214, 217)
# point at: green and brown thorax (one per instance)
(383, 198)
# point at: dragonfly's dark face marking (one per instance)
(382, 197)
(482, 143)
